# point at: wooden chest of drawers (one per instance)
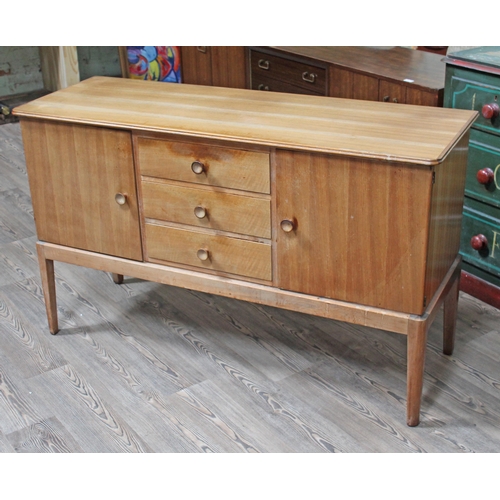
(286, 200)
(473, 82)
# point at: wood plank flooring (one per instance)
(142, 367)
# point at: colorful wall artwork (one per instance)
(155, 63)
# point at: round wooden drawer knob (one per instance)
(121, 198)
(287, 225)
(479, 242)
(197, 167)
(490, 110)
(203, 254)
(200, 212)
(485, 176)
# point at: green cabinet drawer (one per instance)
(483, 168)
(481, 222)
(471, 90)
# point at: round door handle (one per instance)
(200, 212)
(197, 167)
(490, 110)
(287, 225)
(121, 198)
(485, 176)
(478, 242)
(203, 254)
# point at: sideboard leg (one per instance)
(450, 317)
(49, 289)
(117, 278)
(417, 340)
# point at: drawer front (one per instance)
(308, 76)
(470, 90)
(262, 83)
(481, 221)
(224, 167)
(202, 207)
(225, 254)
(483, 168)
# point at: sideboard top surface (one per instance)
(413, 134)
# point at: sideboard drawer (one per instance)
(299, 74)
(206, 207)
(482, 223)
(217, 166)
(483, 168)
(207, 250)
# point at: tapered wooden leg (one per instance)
(49, 289)
(117, 278)
(450, 317)
(417, 340)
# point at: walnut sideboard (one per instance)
(349, 210)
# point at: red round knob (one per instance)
(490, 110)
(478, 242)
(485, 176)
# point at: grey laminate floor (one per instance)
(144, 367)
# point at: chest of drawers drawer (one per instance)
(204, 207)
(483, 168)
(480, 239)
(480, 92)
(284, 75)
(202, 164)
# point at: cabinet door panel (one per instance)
(229, 67)
(196, 65)
(350, 85)
(360, 229)
(392, 92)
(75, 172)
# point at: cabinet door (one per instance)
(75, 172)
(392, 92)
(221, 66)
(350, 85)
(196, 65)
(359, 229)
(229, 67)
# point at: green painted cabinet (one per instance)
(473, 82)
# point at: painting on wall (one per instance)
(154, 63)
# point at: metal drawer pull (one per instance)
(203, 254)
(202, 49)
(200, 212)
(309, 77)
(121, 198)
(197, 167)
(263, 64)
(262, 87)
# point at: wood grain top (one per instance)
(395, 132)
